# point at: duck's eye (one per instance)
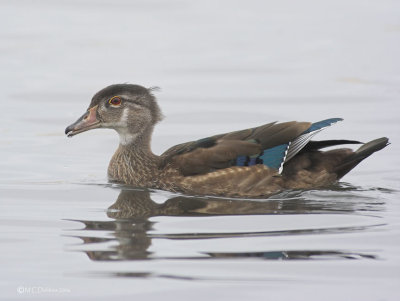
(115, 101)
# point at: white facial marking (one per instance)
(124, 136)
(124, 117)
(122, 122)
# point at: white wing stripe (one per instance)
(299, 143)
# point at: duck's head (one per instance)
(131, 110)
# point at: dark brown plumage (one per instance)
(255, 162)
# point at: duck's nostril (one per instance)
(86, 116)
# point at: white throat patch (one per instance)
(126, 138)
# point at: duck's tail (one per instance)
(363, 152)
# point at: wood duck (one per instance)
(250, 163)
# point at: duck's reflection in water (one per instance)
(129, 234)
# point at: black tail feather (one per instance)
(316, 145)
(363, 152)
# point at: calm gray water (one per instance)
(222, 65)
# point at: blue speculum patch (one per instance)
(275, 156)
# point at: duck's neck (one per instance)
(133, 162)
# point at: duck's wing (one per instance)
(271, 144)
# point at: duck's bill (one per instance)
(87, 121)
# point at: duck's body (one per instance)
(255, 162)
